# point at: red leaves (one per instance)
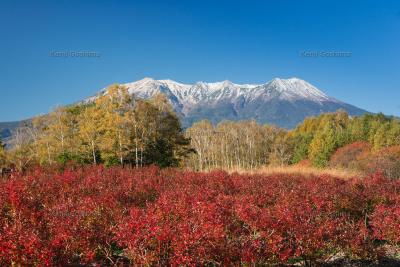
(386, 221)
(349, 155)
(153, 217)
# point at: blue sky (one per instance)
(188, 41)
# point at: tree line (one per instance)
(319, 137)
(248, 145)
(229, 145)
(117, 128)
(113, 129)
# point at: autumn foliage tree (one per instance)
(317, 138)
(2, 154)
(248, 145)
(115, 128)
(112, 129)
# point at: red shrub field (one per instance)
(153, 217)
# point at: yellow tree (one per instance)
(322, 146)
(90, 130)
(55, 135)
(23, 152)
(116, 107)
(43, 144)
(2, 154)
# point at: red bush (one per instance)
(348, 156)
(386, 161)
(386, 221)
(167, 217)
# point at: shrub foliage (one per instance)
(348, 157)
(385, 160)
(156, 217)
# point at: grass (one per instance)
(300, 169)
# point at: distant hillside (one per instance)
(6, 129)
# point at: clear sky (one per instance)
(189, 41)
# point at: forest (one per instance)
(112, 130)
(367, 143)
(118, 129)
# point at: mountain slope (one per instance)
(7, 129)
(284, 102)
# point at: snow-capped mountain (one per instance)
(201, 92)
(284, 102)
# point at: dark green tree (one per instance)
(167, 145)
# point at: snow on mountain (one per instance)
(285, 102)
(287, 89)
(293, 88)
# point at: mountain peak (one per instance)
(284, 102)
(220, 85)
(295, 88)
(147, 79)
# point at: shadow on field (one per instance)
(385, 262)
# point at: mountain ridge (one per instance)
(283, 102)
(292, 85)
